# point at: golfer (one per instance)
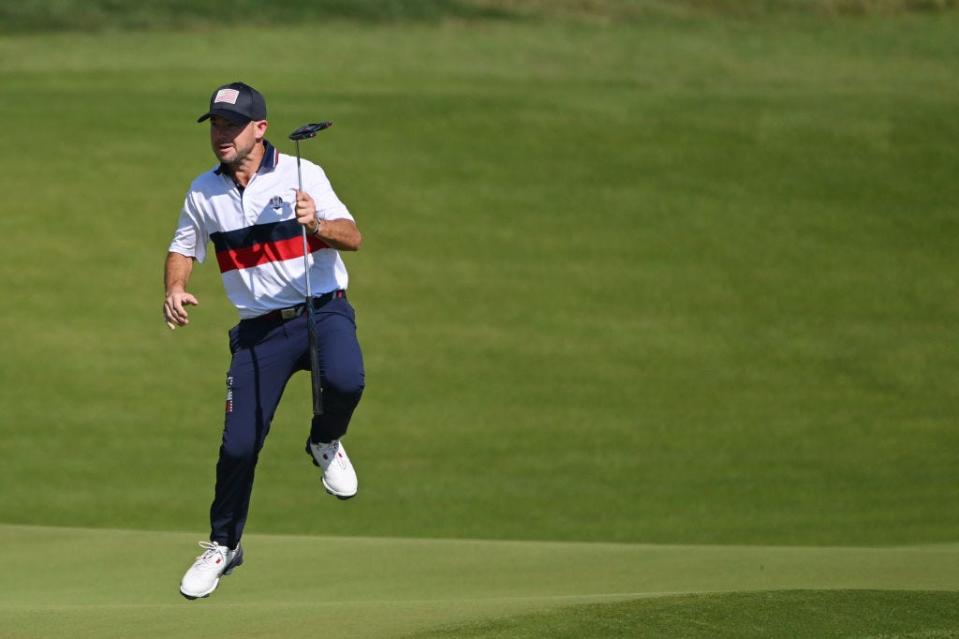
(249, 207)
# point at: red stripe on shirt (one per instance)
(257, 254)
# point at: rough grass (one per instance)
(31, 16)
(675, 283)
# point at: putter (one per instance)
(306, 132)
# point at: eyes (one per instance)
(225, 126)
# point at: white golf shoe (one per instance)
(204, 575)
(339, 478)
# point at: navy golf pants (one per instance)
(265, 355)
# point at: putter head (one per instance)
(308, 131)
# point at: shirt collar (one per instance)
(270, 157)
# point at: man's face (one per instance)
(231, 142)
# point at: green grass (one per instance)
(36, 16)
(672, 280)
(79, 15)
(690, 283)
(812, 614)
(109, 583)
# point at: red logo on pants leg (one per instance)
(229, 394)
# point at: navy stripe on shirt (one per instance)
(256, 234)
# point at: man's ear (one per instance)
(259, 129)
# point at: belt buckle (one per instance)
(289, 313)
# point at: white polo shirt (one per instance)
(256, 237)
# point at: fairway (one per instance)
(657, 303)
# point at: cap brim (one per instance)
(232, 116)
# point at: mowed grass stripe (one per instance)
(103, 583)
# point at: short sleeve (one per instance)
(328, 205)
(191, 237)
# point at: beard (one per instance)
(237, 154)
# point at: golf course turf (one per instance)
(110, 582)
(658, 313)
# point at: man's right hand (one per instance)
(174, 311)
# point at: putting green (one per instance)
(796, 614)
(111, 583)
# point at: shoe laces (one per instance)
(332, 447)
(212, 552)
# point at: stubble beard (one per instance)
(241, 154)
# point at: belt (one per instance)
(281, 315)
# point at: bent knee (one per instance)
(347, 384)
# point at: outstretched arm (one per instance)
(176, 277)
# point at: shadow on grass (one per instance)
(794, 614)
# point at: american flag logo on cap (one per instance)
(227, 95)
